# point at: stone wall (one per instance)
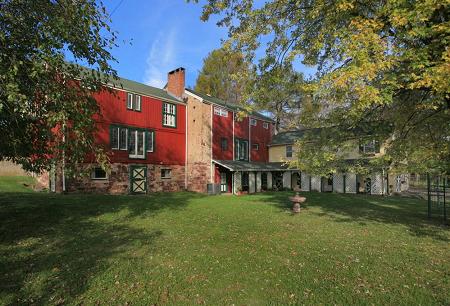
(198, 176)
(118, 181)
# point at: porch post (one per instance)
(251, 182)
(258, 181)
(237, 182)
(269, 180)
(287, 179)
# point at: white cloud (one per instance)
(161, 58)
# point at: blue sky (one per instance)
(164, 35)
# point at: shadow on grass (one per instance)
(361, 209)
(61, 241)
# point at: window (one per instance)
(166, 173)
(255, 146)
(224, 144)
(137, 103)
(136, 144)
(266, 125)
(134, 101)
(370, 147)
(253, 121)
(114, 137)
(288, 151)
(118, 137)
(169, 115)
(123, 138)
(98, 174)
(220, 111)
(240, 149)
(150, 141)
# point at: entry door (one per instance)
(223, 182)
(138, 179)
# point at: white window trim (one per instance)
(220, 111)
(137, 102)
(98, 178)
(266, 125)
(253, 122)
(135, 133)
(255, 146)
(166, 177)
(152, 143)
(172, 113)
(130, 102)
(118, 138)
(126, 139)
(292, 151)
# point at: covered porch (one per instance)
(250, 177)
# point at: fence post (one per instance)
(429, 195)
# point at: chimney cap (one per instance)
(176, 70)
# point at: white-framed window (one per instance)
(240, 149)
(114, 137)
(253, 121)
(166, 173)
(150, 141)
(129, 100)
(123, 138)
(370, 147)
(98, 174)
(136, 144)
(169, 115)
(220, 111)
(255, 146)
(289, 151)
(118, 138)
(134, 101)
(266, 125)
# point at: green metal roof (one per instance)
(143, 89)
(136, 87)
(228, 105)
(288, 137)
(237, 165)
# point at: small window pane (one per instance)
(137, 102)
(132, 142)
(98, 174)
(288, 151)
(253, 121)
(255, 146)
(123, 135)
(266, 125)
(166, 173)
(130, 101)
(150, 140)
(224, 144)
(114, 138)
(140, 143)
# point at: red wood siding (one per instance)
(262, 137)
(170, 143)
(241, 128)
(222, 128)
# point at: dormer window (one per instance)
(134, 102)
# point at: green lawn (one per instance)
(16, 183)
(185, 248)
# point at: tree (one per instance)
(280, 92)
(219, 76)
(46, 109)
(383, 68)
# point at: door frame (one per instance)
(131, 179)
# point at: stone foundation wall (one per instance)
(199, 175)
(118, 181)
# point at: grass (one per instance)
(16, 183)
(185, 248)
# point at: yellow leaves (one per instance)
(345, 5)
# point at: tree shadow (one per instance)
(66, 240)
(361, 209)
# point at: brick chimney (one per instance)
(176, 82)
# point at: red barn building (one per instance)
(143, 129)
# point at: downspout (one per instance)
(186, 148)
(249, 140)
(234, 157)
(211, 145)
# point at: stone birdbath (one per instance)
(296, 201)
